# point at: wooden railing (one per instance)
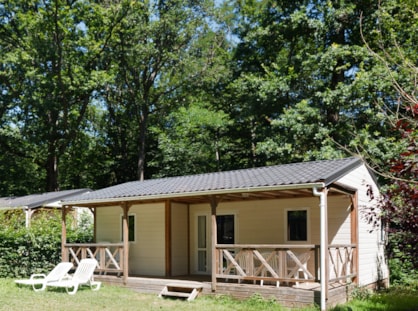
(282, 263)
(265, 263)
(341, 263)
(108, 255)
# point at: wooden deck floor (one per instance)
(307, 294)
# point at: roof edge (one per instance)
(356, 162)
(194, 193)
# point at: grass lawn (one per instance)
(13, 297)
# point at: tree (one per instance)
(399, 213)
(52, 50)
(158, 52)
(306, 85)
(192, 141)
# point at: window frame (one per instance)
(286, 225)
(134, 227)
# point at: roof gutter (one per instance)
(196, 193)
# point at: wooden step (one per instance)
(182, 290)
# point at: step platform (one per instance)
(187, 290)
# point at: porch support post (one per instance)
(64, 255)
(324, 265)
(28, 216)
(168, 253)
(354, 233)
(93, 211)
(125, 207)
(214, 239)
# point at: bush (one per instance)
(24, 251)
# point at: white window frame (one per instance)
(207, 249)
(121, 227)
(235, 214)
(308, 225)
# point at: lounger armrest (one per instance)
(66, 277)
(37, 276)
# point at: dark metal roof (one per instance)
(325, 171)
(39, 200)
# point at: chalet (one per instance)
(295, 232)
(40, 202)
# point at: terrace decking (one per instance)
(287, 273)
(287, 296)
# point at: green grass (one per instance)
(13, 297)
(395, 299)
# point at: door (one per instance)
(225, 235)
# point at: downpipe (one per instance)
(323, 243)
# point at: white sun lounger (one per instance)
(39, 281)
(83, 275)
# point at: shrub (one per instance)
(24, 251)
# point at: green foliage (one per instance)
(361, 293)
(258, 301)
(24, 251)
(192, 142)
(98, 93)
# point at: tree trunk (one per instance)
(142, 143)
(52, 172)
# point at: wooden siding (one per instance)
(147, 256)
(108, 224)
(372, 264)
(147, 253)
(339, 224)
(179, 239)
(264, 222)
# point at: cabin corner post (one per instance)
(214, 239)
(125, 207)
(64, 254)
(168, 239)
(355, 234)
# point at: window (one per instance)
(226, 229)
(131, 228)
(297, 225)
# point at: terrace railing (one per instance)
(341, 260)
(282, 263)
(108, 255)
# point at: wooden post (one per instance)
(354, 233)
(213, 205)
(125, 230)
(93, 211)
(28, 216)
(167, 238)
(64, 255)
